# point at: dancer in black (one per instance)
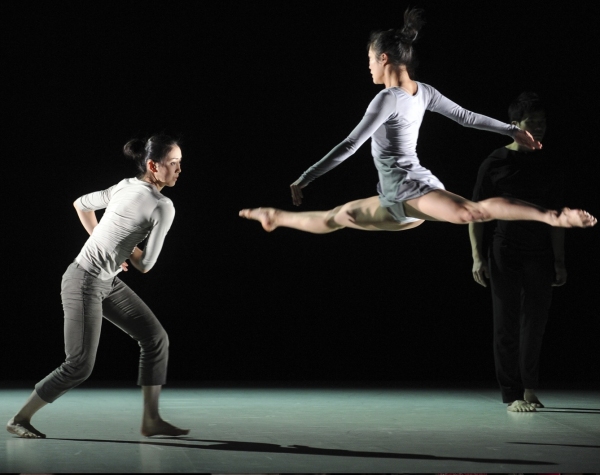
(522, 260)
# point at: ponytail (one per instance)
(413, 22)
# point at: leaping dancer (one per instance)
(409, 194)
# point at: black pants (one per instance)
(521, 296)
(86, 300)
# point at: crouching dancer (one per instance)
(135, 209)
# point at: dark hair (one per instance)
(156, 148)
(524, 105)
(397, 44)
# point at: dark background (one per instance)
(260, 91)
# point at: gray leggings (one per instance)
(86, 299)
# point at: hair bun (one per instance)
(134, 149)
(413, 22)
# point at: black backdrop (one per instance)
(259, 91)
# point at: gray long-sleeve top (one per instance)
(392, 121)
(134, 210)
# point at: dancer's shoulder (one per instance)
(500, 153)
(497, 158)
(426, 89)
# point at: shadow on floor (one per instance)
(571, 410)
(227, 445)
(559, 445)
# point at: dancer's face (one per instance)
(535, 124)
(167, 171)
(376, 67)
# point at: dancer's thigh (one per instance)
(439, 205)
(368, 214)
(125, 309)
(82, 296)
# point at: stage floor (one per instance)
(275, 429)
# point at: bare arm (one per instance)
(557, 236)
(480, 268)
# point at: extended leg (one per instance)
(366, 214)
(81, 297)
(441, 205)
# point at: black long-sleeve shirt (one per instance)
(528, 176)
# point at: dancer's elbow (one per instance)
(143, 267)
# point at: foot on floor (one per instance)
(531, 398)
(520, 406)
(24, 429)
(160, 427)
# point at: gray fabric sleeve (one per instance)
(442, 105)
(162, 218)
(379, 111)
(94, 201)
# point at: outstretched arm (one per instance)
(442, 105)
(379, 110)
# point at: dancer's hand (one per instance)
(296, 193)
(124, 266)
(525, 139)
(480, 272)
(560, 275)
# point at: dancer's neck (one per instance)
(399, 77)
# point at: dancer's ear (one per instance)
(151, 164)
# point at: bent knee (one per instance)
(78, 373)
(158, 342)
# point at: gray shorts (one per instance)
(399, 215)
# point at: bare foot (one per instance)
(575, 218)
(532, 399)
(266, 216)
(520, 406)
(24, 429)
(160, 427)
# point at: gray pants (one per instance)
(86, 299)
